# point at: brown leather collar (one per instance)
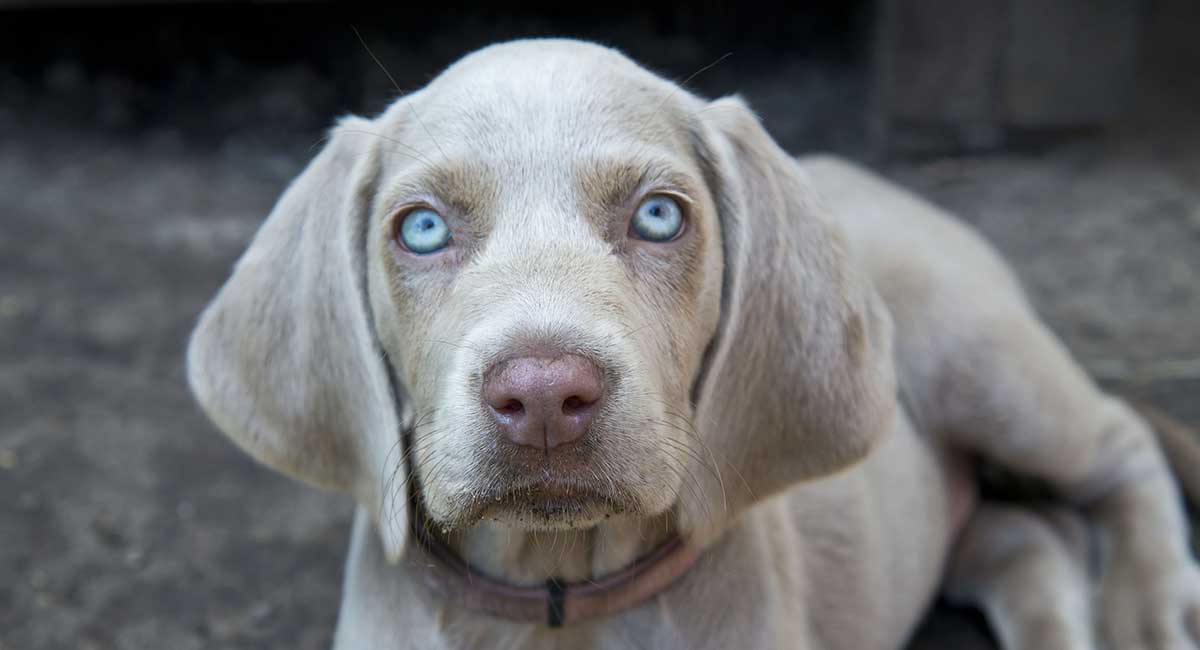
(556, 603)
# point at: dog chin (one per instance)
(550, 514)
(552, 507)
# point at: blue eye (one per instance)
(423, 231)
(658, 219)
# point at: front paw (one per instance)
(1151, 605)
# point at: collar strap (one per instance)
(556, 603)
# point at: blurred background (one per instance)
(141, 145)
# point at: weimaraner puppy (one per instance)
(605, 367)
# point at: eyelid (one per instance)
(667, 191)
(659, 180)
(407, 204)
(396, 217)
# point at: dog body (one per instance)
(555, 312)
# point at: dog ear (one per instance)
(285, 361)
(799, 380)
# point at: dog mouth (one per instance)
(551, 502)
(572, 487)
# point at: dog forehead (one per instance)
(552, 64)
(539, 96)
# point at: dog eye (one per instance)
(658, 219)
(423, 231)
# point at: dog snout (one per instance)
(546, 401)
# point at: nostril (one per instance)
(510, 407)
(575, 404)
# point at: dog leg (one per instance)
(1017, 400)
(1027, 571)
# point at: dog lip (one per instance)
(552, 499)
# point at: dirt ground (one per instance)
(128, 522)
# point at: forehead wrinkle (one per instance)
(568, 195)
(541, 206)
(537, 214)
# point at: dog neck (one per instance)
(556, 599)
(525, 557)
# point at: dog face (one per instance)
(581, 290)
(551, 340)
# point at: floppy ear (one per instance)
(800, 379)
(284, 359)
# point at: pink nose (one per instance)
(543, 402)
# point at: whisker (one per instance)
(691, 430)
(398, 89)
(411, 151)
(679, 86)
(376, 59)
(685, 82)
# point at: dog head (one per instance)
(580, 289)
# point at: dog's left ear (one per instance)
(285, 360)
(799, 381)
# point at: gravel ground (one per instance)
(127, 522)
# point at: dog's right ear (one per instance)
(284, 359)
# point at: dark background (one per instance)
(140, 146)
